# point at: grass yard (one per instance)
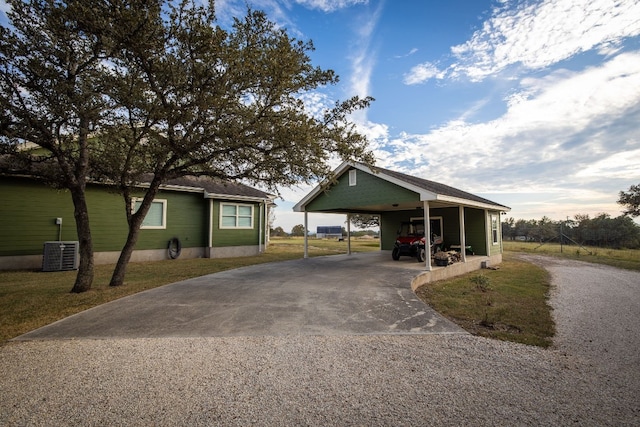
(621, 258)
(508, 304)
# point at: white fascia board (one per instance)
(181, 188)
(238, 198)
(472, 204)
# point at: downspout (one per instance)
(427, 236)
(306, 240)
(463, 243)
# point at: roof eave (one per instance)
(267, 198)
(471, 203)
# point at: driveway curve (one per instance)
(366, 293)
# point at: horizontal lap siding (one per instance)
(225, 237)
(187, 219)
(475, 226)
(29, 210)
(369, 190)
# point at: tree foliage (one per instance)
(602, 231)
(147, 91)
(631, 200)
(53, 76)
(298, 230)
(201, 100)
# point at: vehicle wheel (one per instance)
(395, 254)
(422, 255)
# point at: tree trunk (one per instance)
(119, 272)
(135, 222)
(84, 278)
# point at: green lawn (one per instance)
(621, 258)
(508, 304)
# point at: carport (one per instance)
(467, 223)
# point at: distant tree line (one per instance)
(298, 231)
(600, 231)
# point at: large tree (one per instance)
(53, 79)
(631, 200)
(196, 99)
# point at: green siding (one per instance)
(29, 210)
(450, 225)
(225, 237)
(187, 219)
(369, 190)
(475, 226)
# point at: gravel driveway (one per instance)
(590, 377)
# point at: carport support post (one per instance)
(306, 232)
(463, 243)
(348, 234)
(427, 235)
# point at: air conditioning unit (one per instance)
(60, 256)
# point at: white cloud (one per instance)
(330, 5)
(423, 72)
(617, 165)
(411, 52)
(363, 58)
(536, 35)
(555, 127)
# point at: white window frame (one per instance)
(236, 205)
(164, 213)
(494, 220)
(353, 177)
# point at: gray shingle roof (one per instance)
(216, 186)
(435, 187)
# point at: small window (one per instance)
(236, 216)
(494, 229)
(352, 177)
(156, 217)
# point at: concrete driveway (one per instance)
(358, 294)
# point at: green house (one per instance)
(206, 217)
(457, 218)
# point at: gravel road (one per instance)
(590, 377)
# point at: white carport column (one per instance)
(210, 236)
(306, 232)
(260, 229)
(427, 235)
(348, 234)
(463, 243)
(487, 232)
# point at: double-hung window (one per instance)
(495, 223)
(156, 217)
(236, 216)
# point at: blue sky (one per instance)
(532, 104)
